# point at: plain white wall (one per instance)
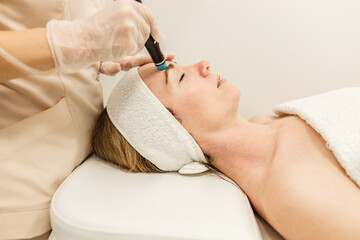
(272, 50)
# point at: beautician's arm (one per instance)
(28, 46)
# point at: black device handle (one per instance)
(154, 50)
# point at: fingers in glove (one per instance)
(169, 57)
(148, 15)
(110, 68)
(130, 62)
(139, 61)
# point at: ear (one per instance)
(193, 168)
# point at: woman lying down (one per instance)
(300, 170)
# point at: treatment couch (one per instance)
(99, 201)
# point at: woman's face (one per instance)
(194, 94)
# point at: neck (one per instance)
(243, 151)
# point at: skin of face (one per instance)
(196, 100)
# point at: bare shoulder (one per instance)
(263, 118)
(306, 192)
(307, 203)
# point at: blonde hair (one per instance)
(109, 144)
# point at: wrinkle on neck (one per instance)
(243, 152)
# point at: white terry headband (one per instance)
(151, 129)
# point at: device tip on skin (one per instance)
(161, 66)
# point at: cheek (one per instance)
(198, 100)
(194, 109)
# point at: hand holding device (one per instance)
(119, 30)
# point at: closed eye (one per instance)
(182, 76)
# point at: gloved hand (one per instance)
(119, 30)
(112, 68)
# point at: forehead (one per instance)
(147, 69)
(154, 79)
(150, 75)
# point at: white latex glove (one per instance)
(112, 68)
(119, 30)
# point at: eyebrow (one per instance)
(170, 66)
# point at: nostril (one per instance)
(206, 71)
(204, 67)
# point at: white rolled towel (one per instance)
(335, 115)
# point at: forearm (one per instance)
(28, 46)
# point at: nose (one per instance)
(204, 68)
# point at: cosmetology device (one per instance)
(153, 48)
